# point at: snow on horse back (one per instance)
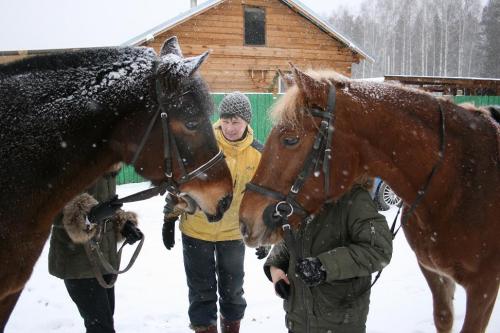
(66, 118)
(406, 137)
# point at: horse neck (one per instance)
(75, 141)
(397, 138)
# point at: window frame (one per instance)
(244, 26)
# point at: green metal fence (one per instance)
(477, 100)
(261, 103)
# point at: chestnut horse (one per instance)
(67, 118)
(395, 133)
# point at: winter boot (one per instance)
(206, 329)
(227, 326)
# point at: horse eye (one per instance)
(290, 141)
(191, 125)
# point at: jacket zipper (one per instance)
(301, 254)
(372, 233)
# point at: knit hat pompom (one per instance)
(236, 104)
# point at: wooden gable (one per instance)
(232, 65)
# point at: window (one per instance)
(255, 26)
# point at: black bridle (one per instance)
(319, 154)
(278, 214)
(170, 149)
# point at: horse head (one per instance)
(290, 180)
(191, 159)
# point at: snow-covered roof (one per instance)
(151, 33)
(298, 6)
(437, 78)
(378, 79)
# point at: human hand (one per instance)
(131, 233)
(281, 282)
(310, 271)
(168, 232)
(104, 210)
(262, 251)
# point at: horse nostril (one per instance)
(271, 220)
(225, 203)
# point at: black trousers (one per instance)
(213, 267)
(95, 303)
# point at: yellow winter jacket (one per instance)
(242, 158)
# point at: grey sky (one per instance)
(46, 24)
(41, 24)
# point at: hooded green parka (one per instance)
(68, 260)
(352, 241)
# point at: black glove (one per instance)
(104, 210)
(170, 203)
(131, 233)
(262, 251)
(310, 271)
(282, 289)
(168, 232)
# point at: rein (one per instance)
(93, 246)
(423, 190)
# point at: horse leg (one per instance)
(6, 306)
(442, 289)
(481, 297)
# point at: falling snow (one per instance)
(152, 296)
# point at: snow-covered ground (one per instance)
(152, 296)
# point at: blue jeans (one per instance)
(212, 266)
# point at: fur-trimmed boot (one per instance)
(207, 329)
(227, 326)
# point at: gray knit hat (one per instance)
(236, 104)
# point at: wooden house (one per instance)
(251, 39)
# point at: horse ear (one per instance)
(192, 64)
(287, 78)
(310, 87)
(176, 67)
(171, 45)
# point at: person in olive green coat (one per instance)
(68, 259)
(329, 289)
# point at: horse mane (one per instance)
(73, 59)
(284, 111)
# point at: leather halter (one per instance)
(287, 204)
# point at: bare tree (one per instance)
(423, 37)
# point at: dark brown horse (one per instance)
(66, 118)
(395, 133)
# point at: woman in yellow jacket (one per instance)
(214, 252)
